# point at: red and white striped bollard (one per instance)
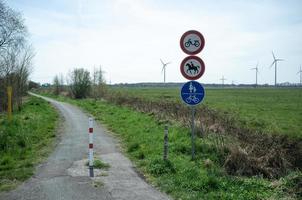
(90, 156)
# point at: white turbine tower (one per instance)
(257, 70)
(164, 68)
(275, 62)
(300, 72)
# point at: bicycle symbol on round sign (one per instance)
(192, 42)
(192, 67)
(189, 43)
(192, 93)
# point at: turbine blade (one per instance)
(162, 70)
(161, 61)
(272, 64)
(273, 55)
(279, 59)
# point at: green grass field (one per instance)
(141, 135)
(274, 110)
(25, 141)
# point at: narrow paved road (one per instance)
(64, 177)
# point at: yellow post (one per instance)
(9, 103)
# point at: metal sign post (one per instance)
(192, 93)
(193, 133)
(192, 68)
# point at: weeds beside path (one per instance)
(25, 141)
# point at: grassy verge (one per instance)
(204, 178)
(25, 141)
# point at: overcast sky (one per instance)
(128, 38)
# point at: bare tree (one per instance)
(12, 29)
(98, 83)
(15, 55)
(56, 85)
(94, 83)
(61, 81)
(23, 70)
(17, 68)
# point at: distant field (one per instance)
(275, 110)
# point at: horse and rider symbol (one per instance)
(192, 68)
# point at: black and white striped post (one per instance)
(90, 154)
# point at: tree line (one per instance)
(81, 84)
(16, 56)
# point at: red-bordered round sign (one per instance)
(192, 67)
(192, 42)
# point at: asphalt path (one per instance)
(64, 175)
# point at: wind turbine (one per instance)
(275, 62)
(256, 68)
(164, 68)
(223, 79)
(300, 72)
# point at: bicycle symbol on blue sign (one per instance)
(192, 93)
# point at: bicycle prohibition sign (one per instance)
(192, 42)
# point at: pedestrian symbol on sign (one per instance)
(192, 88)
(192, 93)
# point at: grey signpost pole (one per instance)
(192, 133)
(192, 67)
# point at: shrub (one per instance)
(160, 166)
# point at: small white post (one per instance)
(166, 142)
(90, 156)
